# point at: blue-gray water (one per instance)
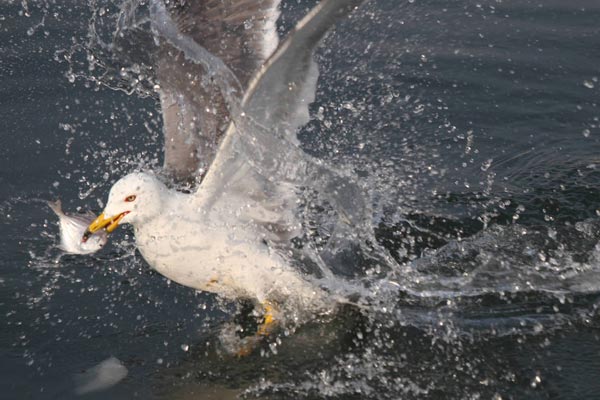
(475, 128)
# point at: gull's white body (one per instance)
(219, 260)
(209, 251)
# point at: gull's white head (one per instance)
(133, 199)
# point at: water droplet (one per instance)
(185, 347)
(536, 381)
(487, 164)
(586, 133)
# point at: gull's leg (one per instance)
(269, 322)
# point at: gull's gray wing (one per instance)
(259, 168)
(242, 33)
(279, 95)
(208, 52)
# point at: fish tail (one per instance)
(56, 206)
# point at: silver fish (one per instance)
(72, 228)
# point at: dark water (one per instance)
(474, 127)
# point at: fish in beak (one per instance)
(110, 224)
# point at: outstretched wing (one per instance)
(208, 52)
(259, 167)
(279, 95)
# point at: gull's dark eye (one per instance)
(129, 199)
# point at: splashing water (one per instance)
(465, 218)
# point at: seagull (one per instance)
(232, 99)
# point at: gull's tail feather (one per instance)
(56, 206)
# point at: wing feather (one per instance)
(208, 51)
(250, 177)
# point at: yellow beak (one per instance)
(102, 222)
